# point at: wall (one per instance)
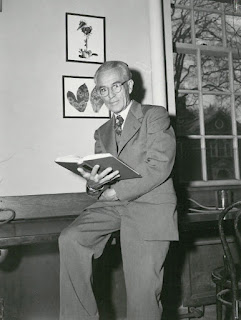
(33, 131)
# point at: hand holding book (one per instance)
(105, 161)
(95, 180)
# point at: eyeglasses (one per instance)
(115, 88)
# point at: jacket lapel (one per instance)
(132, 124)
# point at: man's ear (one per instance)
(130, 85)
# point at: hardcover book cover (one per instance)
(104, 160)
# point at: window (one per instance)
(206, 39)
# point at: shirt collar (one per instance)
(124, 113)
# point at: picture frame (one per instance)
(85, 38)
(81, 100)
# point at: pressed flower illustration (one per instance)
(87, 31)
(85, 38)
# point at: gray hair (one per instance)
(114, 64)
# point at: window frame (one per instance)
(171, 106)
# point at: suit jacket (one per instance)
(148, 145)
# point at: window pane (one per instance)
(220, 163)
(187, 114)
(207, 4)
(189, 159)
(208, 28)
(185, 71)
(181, 27)
(237, 74)
(229, 7)
(238, 114)
(233, 31)
(215, 73)
(217, 114)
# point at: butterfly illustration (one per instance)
(83, 96)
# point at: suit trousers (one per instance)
(143, 261)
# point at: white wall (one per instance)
(33, 131)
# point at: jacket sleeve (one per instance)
(158, 163)
(98, 148)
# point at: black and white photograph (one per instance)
(120, 160)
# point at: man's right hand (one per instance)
(96, 180)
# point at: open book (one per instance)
(104, 160)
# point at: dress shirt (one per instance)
(124, 113)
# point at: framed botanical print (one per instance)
(85, 38)
(81, 100)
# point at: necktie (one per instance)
(118, 125)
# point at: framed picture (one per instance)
(85, 38)
(81, 100)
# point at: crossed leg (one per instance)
(143, 261)
(79, 243)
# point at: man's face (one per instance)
(115, 102)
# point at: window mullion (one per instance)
(233, 117)
(193, 31)
(224, 26)
(201, 117)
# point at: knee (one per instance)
(67, 236)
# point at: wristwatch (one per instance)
(92, 190)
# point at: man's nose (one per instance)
(111, 94)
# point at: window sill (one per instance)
(215, 183)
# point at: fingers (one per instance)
(94, 171)
(105, 172)
(84, 173)
(110, 177)
(89, 175)
(99, 179)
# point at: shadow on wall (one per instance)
(139, 91)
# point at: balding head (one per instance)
(108, 65)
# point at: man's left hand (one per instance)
(109, 195)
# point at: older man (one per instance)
(143, 209)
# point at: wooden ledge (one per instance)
(46, 205)
(29, 231)
(41, 218)
(47, 229)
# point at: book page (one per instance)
(75, 159)
(96, 156)
(69, 158)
